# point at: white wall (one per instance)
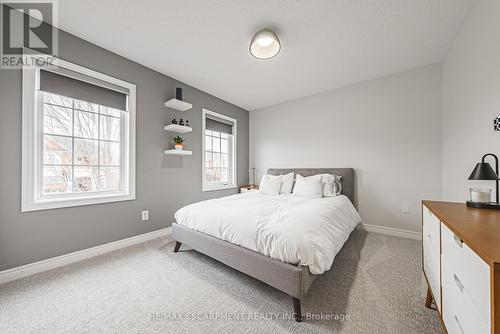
(388, 129)
(471, 99)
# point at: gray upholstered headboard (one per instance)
(346, 173)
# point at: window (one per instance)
(81, 146)
(219, 151)
(78, 138)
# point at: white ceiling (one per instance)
(325, 44)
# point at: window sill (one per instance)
(218, 187)
(55, 203)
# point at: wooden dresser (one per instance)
(461, 263)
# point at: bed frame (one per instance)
(294, 280)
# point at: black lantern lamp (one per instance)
(483, 171)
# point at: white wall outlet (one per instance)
(145, 215)
(405, 208)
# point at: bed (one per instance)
(254, 246)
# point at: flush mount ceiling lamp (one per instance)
(265, 44)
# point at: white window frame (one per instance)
(206, 186)
(31, 199)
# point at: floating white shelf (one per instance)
(178, 105)
(178, 152)
(178, 128)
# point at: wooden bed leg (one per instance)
(297, 312)
(428, 299)
(177, 246)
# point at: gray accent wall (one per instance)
(164, 183)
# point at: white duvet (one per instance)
(293, 229)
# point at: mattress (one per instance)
(293, 229)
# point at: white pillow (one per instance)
(328, 181)
(337, 185)
(270, 184)
(308, 187)
(332, 184)
(286, 183)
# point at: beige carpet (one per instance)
(373, 286)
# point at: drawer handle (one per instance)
(458, 283)
(459, 325)
(459, 241)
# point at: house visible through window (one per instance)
(78, 138)
(219, 163)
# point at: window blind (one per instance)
(79, 86)
(214, 124)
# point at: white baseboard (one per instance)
(390, 231)
(59, 261)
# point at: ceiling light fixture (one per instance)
(265, 44)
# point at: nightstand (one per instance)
(249, 188)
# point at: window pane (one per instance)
(223, 146)
(109, 178)
(87, 106)
(209, 174)
(57, 100)
(224, 135)
(56, 180)
(110, 111)
(216, 144)
(224, 160)
(208, 132)
(85, 124)
(109, 153)
(208, 143)
(85, 178)
(110, 128)
(57, 150)
(209, 159)
(57, 120)
(85, 152)
(224, 175)
(216, 176)
(216, 160)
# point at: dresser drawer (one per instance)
(430, 228)
(460, 314)
(468, 269)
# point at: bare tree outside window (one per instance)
(81, 146)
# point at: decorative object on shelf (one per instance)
(174, 121)
(187, 123)
(178, 142)
(181, 122)
(483, 171)
(252, 173)
(178, 93)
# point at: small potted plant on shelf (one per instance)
(178, 142)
